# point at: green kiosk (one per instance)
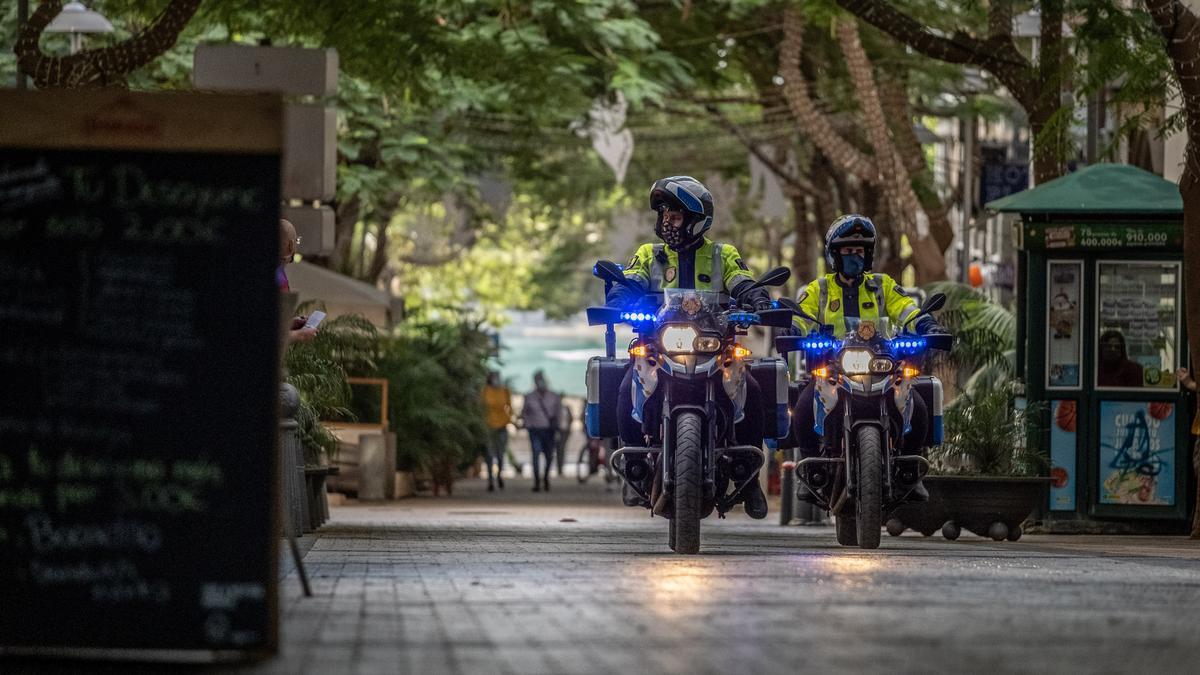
(1100, 333)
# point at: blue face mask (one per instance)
(853, 265)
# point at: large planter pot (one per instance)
(990, 506)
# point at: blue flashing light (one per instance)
(774, 304)
(909, 344)
(743, 317)
(637, 316)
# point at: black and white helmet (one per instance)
(686, 194)
(852, 230)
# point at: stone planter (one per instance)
(989, 506)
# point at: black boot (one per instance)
(754, 501)
(918, 493)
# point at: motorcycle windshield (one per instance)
(688, 303)
(869, 328)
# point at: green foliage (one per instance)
(985, 332)
(987, 435)
(437, 371)
(318, 369)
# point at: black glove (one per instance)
(928, 325)
(623, 296)
(757, 298)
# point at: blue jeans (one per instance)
(542, 442)
(497, 444)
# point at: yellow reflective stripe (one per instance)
(822, 298)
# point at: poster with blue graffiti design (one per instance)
(1137, 452)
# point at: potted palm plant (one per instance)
(985, 478)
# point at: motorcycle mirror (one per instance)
(794, 307)
(608, 271)
(933, 303)
(774, 277)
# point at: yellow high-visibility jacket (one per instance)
(877, 295)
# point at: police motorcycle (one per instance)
(686, 344)
(867, 371)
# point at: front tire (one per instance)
(868, 503)
(689, 490)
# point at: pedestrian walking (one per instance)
(498, 411)
(540, 414)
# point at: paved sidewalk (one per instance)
(516, 582)
(573, 582)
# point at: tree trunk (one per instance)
(1180, 29)
(894, 97)
(1189, 187)
(927, 258)
(1037, 88)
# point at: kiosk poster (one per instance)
(1062, 456)
(1063, 339)
(1137, 325)
(1137, 447)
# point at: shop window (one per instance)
(1064, 341)
(1137, 324)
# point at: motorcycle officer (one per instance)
(853, 291)
(688, 259)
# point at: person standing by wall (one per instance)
(1189, 384)
(540, 414)
(497, 403)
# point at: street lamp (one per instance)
(76, 19)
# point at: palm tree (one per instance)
(984, 356)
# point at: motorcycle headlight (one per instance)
(707, 344)
(882, 365)
(678, 339)
(856, 362)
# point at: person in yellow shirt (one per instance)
(498, 411)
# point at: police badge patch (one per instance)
(835, 305)
(669, 274)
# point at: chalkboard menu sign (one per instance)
(138, 371)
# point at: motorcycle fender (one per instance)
(902, 396)
(733, 379)
(647, 375)
(823, 403)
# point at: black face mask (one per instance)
(671, 236)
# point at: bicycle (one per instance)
(593, 458)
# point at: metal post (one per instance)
(968, 173)
(22, 17)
